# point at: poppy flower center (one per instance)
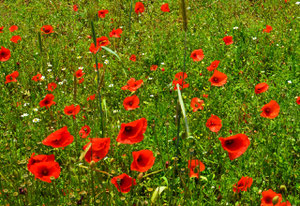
(267, 110)
(45, 172)
(46, 30)
(130, 103)
(2, 53)
(128, 129)
(268, 199)
(11, 78)
(215, 79)
(229, 142)
(46, 101)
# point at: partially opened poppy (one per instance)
(214, 123)
(132, 132)
(92, 97)
(115, 33)
(228, 40)
(197, 55)
(261, 87)
(47, 101)
(15, 39)
(298, 100)
(243, 184)
(143, 160)
(84, 131)
(45, 170)
(180, 78)
(235, 145)
(214, 65)
(75, 7)
(131, 103)
(165, 7)
(102, 13)
(123, 182)
(195, 166)
(12, 77)
(59, 138)
(133, 85)
(79, 73)
(39, 158)
(196, 104)
(37, 78)
(270, 110)
(99, 149)
(4, 54)
(52, 86)
(268, 29)
(153, 67)
(1, 29)
(218, 79)
(139, 8)
(72, 110)
(267, 198)
(47, 29)
(13, 28)
(132, 58)
(102, 41)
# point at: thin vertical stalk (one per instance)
(130, 15)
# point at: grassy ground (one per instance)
(156, 38)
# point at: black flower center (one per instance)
(229, 142)
(215, 79)
(128, 129)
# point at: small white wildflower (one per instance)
(235, 27)
(262, 71)
(298, 2)
(289, 81)
(188, 8)
(35, 109)
(43, 78)
(105, 158)
(291, 29)
(143, 54)
(49, 64)
(151, 95)
(49, 70)
(163, 63)
(121, 27)
(63, 69)
(79, 37)
(26, 104)
(103, 56)
(115, 111)
(254, 38)
(79, 57)
(150, 78)
(64, 80)
(80, 68)
(60, 83)
(36, 53)
(106, 62)
(212, 187)
(35, 120)
(111, 85)
(277, 44)
(24, 115)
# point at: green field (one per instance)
(263, 144)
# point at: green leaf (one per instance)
(111, 51)
(157, 192)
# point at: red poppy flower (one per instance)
(205, 95)
(12, 77)
(102, 41)
(37, 78)
(52, 86)
(116, 33)
(165, 7)
(94, 49)
(123, 182)
(132, 84)
(79, 73)
(47, 29)
(180, 79)
(143, 160)
(45, 170)
(195, 166)
(228, 40)
(197, 55)
(99, 149)
(196, 104)
(243, 184)
(4, 54)
(133, 132)
(218, 79)
(13, 28)
(1, 29)
(39, 158)
(214, 123)
(99, 66)
(84, 131)
(132, 58)
(131, 103)
(72, 110)
(235, 145)
(261, 87)
(139, 8)
(287, 203)
(267, 198)
(59, 138)
(298, 100)
(268, 29)
(214, 65)
(153, 67)
(81, 80)
(92, 97)
(47, 101)
(75, 7)
(102, 13)
(270, 110)
(15, 39)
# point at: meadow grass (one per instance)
(156, 38)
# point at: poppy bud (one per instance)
(140, 176)
(167, 164)
(283, 188)
(92, 163)
(52, 178)
(275, 200)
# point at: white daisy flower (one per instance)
(35, 120)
